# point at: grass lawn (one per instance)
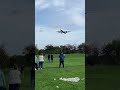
(74, 67)
(104, 77)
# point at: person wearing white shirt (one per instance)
(14, 78)
(41, 61)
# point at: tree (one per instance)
(87, 50)
(56, 49)
(29, 53)
(3, 56)
(107, 49)
(36, 50)
(112, 50)
(49, 49)
(81, 48)
(68, 48)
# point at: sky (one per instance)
(17, 28)
(102, 22)
(22, 28)
(53, 15)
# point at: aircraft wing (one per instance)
(59, 31)
(68, 31)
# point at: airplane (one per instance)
(61, 31)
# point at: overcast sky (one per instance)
(16, 24)
(17, 28)
(102, 21)
(53, 15)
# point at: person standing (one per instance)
(36, 63)
(61, 56)
(32, 71)
(51, 57)
(22, 70)
(41, 61)
(14, 78)
(2, 81)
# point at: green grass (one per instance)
(104, 77)
(74, 67)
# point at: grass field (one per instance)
(103, 77)
(74, 67)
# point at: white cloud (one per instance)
(59, 3)
(72, 11)
(68, 11)
(45, 4)
(41, 4)
(76, 16)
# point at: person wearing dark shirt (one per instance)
(51, 58)
(61, 56)
(22, 70)
(32, 76)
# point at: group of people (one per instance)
(15, 76)
(50, 58)
(39, 63)
(39, 60)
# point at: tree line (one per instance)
(50, 49)
(108, 54)
(27, 57)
